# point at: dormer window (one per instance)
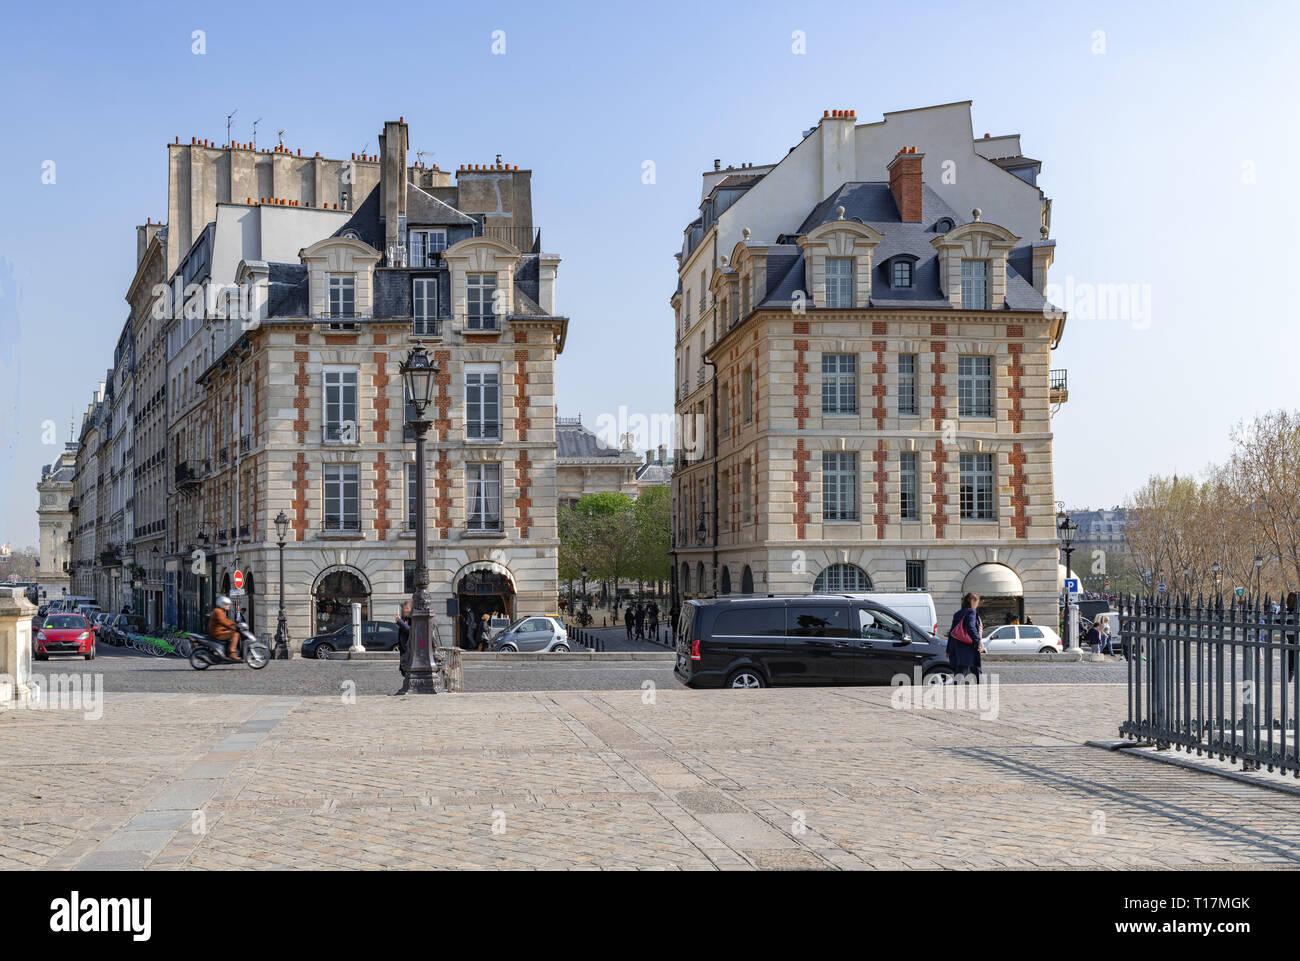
(343, 295)
(975, 285)
(839, 281)
(943, 225)
(900, 274)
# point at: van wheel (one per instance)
(745, 678)
(937, 676)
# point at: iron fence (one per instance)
(1216, 678)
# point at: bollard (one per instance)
(357, 647)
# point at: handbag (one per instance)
(959, 633)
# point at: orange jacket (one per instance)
(220, 626)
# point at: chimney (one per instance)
(905, 184)
(839, 150)
(393, 146)
(663, 454)
(649, 458)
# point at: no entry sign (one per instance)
(238, 580)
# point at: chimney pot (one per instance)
(825, 114)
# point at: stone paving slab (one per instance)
(840, 778)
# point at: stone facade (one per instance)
(809, 402)
(55, 521)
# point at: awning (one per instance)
(992, 580)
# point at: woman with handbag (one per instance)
(965, 638)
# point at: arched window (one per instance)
(726, 579)
(686, 578)
(842, 579)
(700, 587)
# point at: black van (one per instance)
(813, 639)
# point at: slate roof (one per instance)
(424, 209)
(574, 440)
(655, 473)
(287, 294)
(873, 204)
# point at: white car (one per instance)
(542, 632)
(1022, 639)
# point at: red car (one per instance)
(64, 634)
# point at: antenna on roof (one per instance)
(280, 134)
(228, 116)
(255, 123)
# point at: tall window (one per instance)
(747, 402)
(724, 411)
(480, 293)
(977, 487)
(908, 500)
(915, 572)
(412, 509)
(482, 402)
(424, 304)
(839, 281)
(907, 383)
(483, 484)
(839, 486)
(343, 295)
(975, 285)
(839, 384)
(975, 386)
(747, 493)
(342, 497)
(341, 425)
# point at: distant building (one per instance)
(55, 520)
(585, 464)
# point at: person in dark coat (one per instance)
(965, 658)
(653, 617)
(674, 613)
(404, 646)
(629, 619)
(640, 621)
(1093, 638)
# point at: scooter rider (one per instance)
(222, 628)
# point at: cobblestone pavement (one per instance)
(792, 778)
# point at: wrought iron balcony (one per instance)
(1058, 389)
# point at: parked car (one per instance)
(64, 634)
(375, 636)
(1023, 639)
(118, 626)
(755, 642)
(540, 632)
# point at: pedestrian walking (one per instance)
(640, 622)
(1093, 638)
(629, 619)
(654, 620)
(674, 613)
(965, 638)
(404, 646)
(1107, 647)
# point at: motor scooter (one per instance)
(207, 651)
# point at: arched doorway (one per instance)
(489, 590)
(686, 578)
(699, 576)
(747, 581)
(1000, 590)
(332, 598)
(842, 579)
(726, 579)
(250, 602)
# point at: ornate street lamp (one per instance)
(422, 676)
(1259, 577)
(281, 625)
(1066, 529)
(1218, 578)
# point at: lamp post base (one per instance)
(281, 651)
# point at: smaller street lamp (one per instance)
(1259, 577)
(1218, 578)
(281, 624)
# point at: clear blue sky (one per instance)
(1143, 148)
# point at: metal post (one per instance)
(421, 674)
(281, 623)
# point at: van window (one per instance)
(750, 622)
(824, 620)
(879, 625)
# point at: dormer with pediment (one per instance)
(725, 287)
(749, 261)
(482, 282)
(973, 264)
(340, 277)
(837, 261)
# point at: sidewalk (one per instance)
(819, 778)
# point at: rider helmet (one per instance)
(223, 601)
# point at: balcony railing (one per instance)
(1058, 387)
(245, 443)
(185, 475)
